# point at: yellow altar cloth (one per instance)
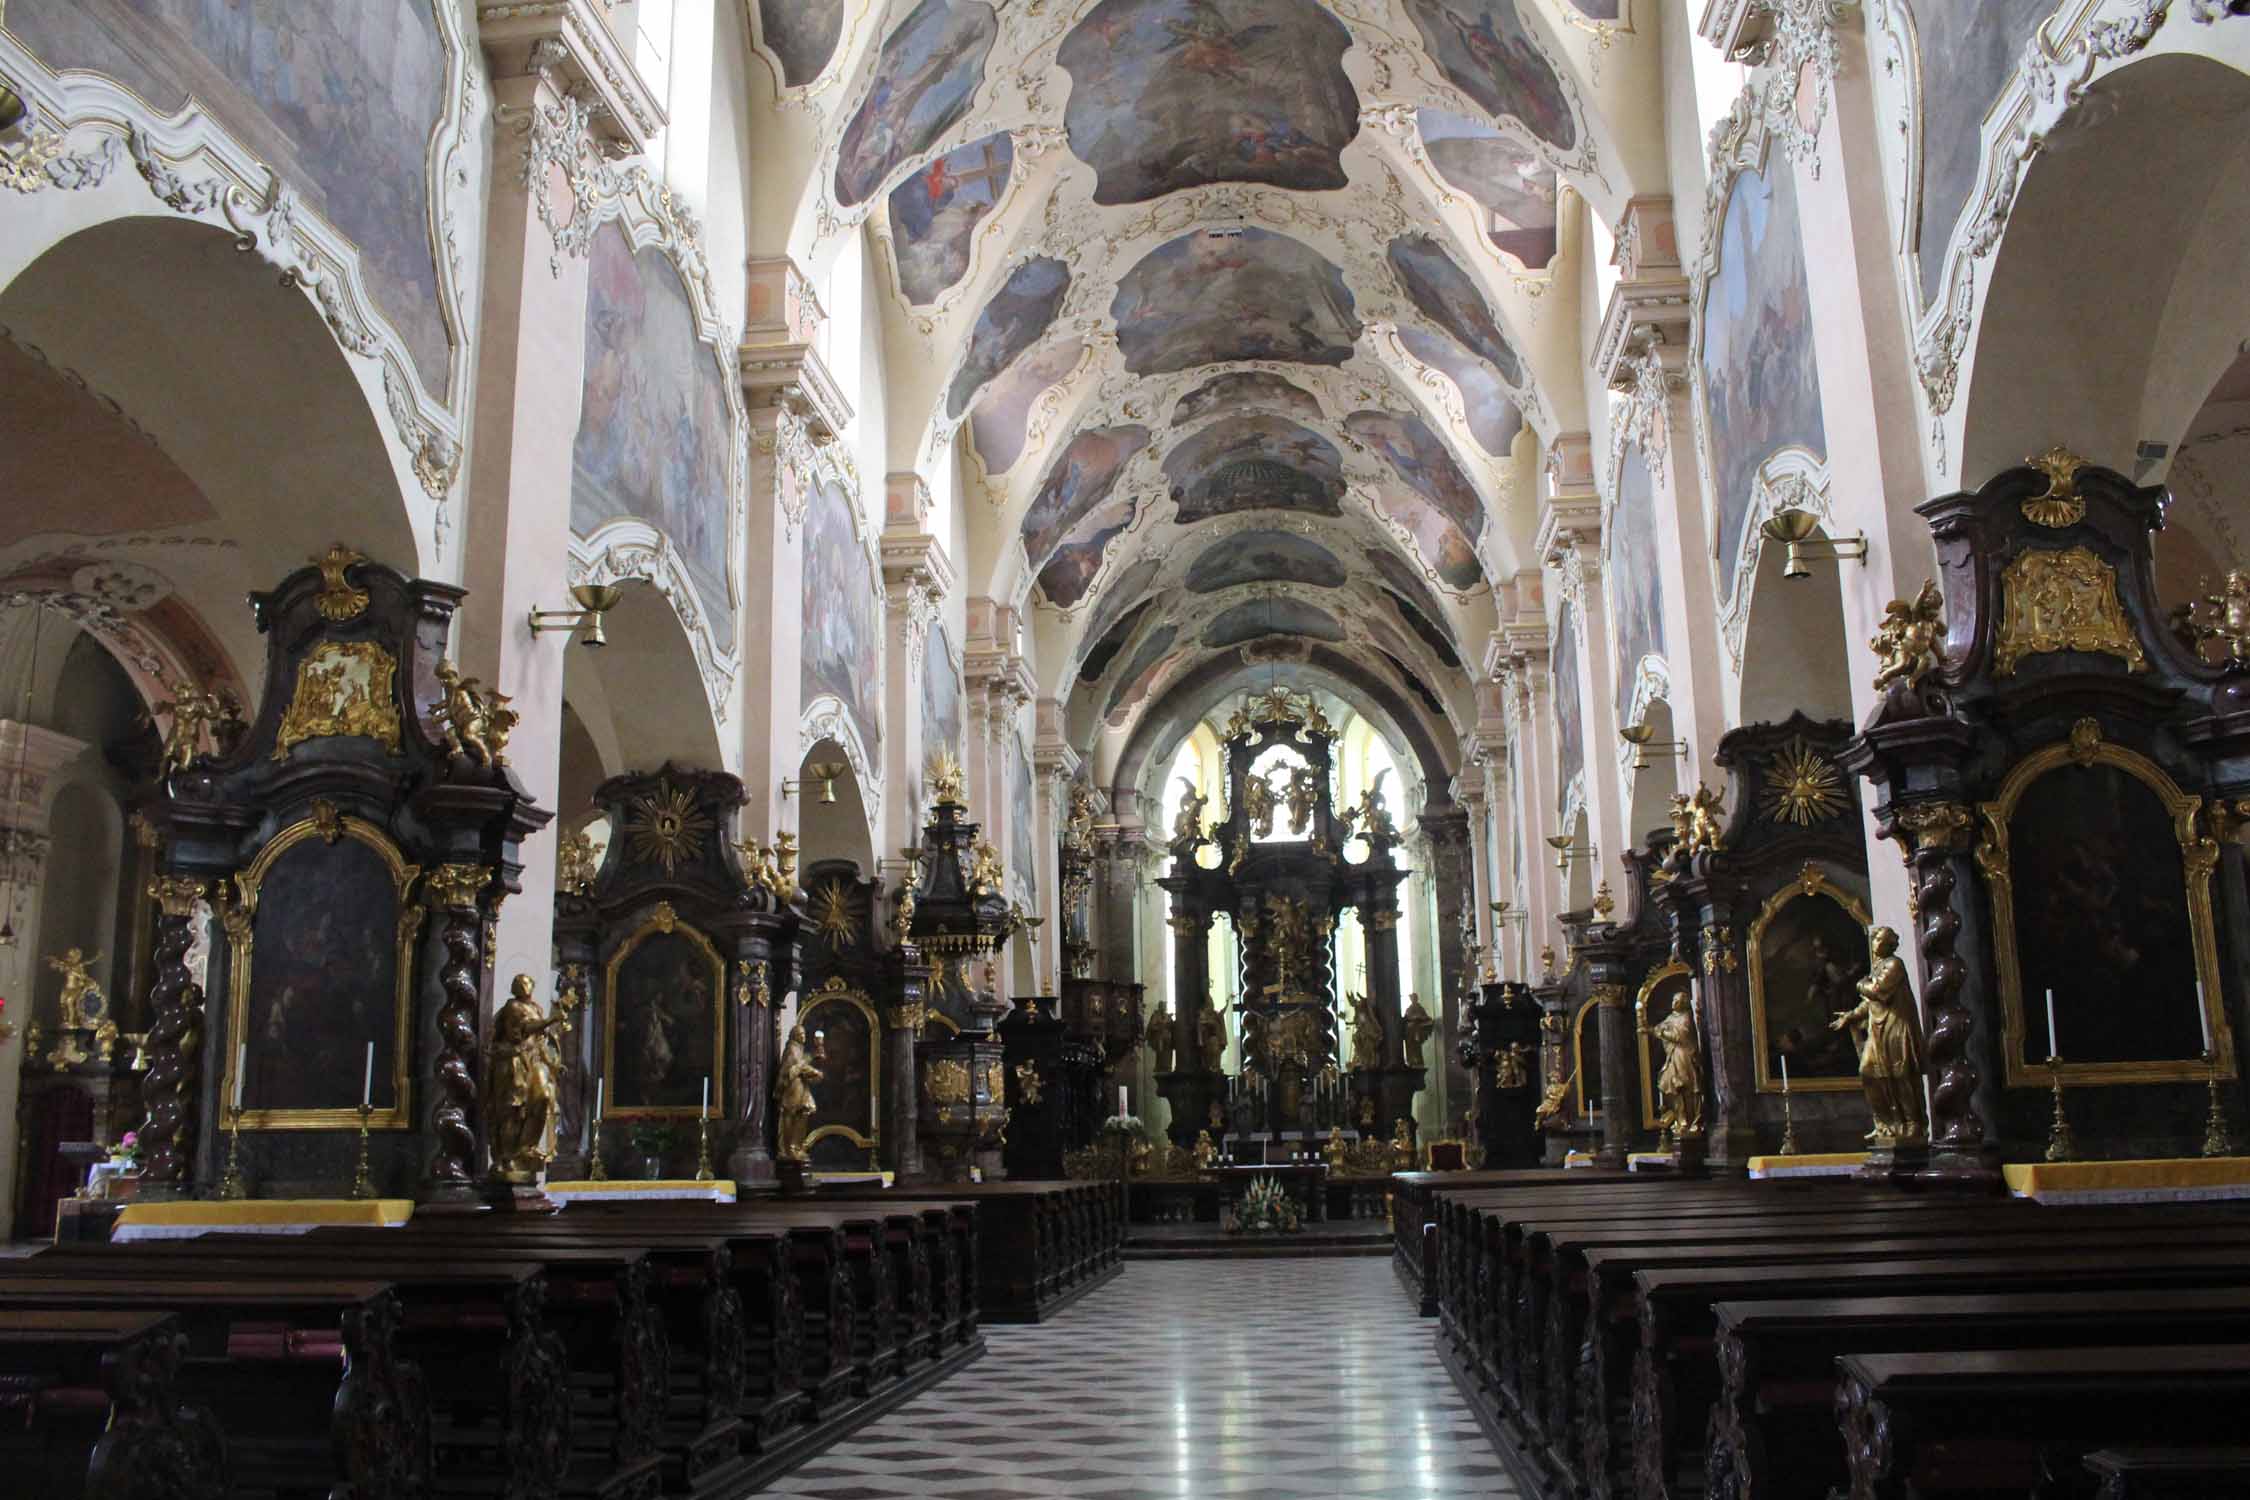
(1815, 1164)
(2181, 1179)
(187, 1220)
(610, 1190)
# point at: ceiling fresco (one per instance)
(1420, 458)
(1264, 557)
(1173, 94)
(1493, 419)
(934, 213)
(1499, 55)
(1254, 462)
(1210, 297)
(1514, 187)
(1261, 617)
(1432, 637)
(1080, 479)
(1442, 292)
(1245, 388)
(1440, 544)
(1011, 322)
(1072, 569)
(803, 34)
(1001, 421)
(924, 79)
(1399, 577)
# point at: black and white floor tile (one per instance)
(1237, 1380)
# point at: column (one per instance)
(917, 576)
(562, 94)
(1054, 767)
(1574, 561)
(23, 868)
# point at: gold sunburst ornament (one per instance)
(663, 827)
(1803, 787)
(832, 915)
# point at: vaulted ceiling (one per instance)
(1236, 312)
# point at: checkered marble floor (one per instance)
(1248, 1380)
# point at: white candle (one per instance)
(600, 1084)
(367, 1080)
(1121, 1100)
(707, 1093)
(1785, 1072)
(241, 1066)
(2203, 1014)
(2054, 1037)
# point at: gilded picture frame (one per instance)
(1589, 1108)
(1646, 1045)
(663, 921)
(1812, 884)
(239, 916)
(834, 992)
(2199, 858)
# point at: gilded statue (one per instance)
(902, 924)
(1695, 821)
(1159, 1038)
(1681, 1081)
(1907, 642)
(1402, 1147)
(1367, 1035)
(192, 712)
(1554, 1106)
(81, 1002)
(1078, 831)
(521, 1067)
(1332, 1150)
(574, 863)
(1302, 796)
(794, 1076)
(946, 778)
(1257, 805)
(1512, 1067)
(476, 720)
(1371, 816)
(1211, 1035)
(2223, 617)
(985, 878)
(1187, 823)
(1417, 1025)
(1888, 1030)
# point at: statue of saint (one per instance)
(1257, 805)
(1417, 1025)
(1302, 796)
(1160, 1040)
(1681, 1081)
(1211, 1035)
(520, 1097)
(81, 1001)
(1402, 1147)
(1890, 1045)
(1187, 824)
(1367, 1035)
(1205, 1152)
(795, 1077)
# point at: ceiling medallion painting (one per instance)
(1123, 593)
(1001, 423)
(1174, 94)
(1217, 296)
(664, 827)
(1077, 482)
(1436, 540)
(935, 213)
(1498, 56)
(1261, 617)
(1398, 575)
(1251, 463)
(1010, 323)
(1264, 557)
(1076, 563)
(1245, 388)
(1420, 458)
(1492, 418)
(1513, 186)
(1108, 642)
(1437, 286)
(925, 75)
(1140, 673)
(802, 34)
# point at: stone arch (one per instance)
(641, 698)
(843, 829)
(1794, 654)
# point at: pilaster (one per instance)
(917, 577)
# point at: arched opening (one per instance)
(1793, 648)
(1655, 783)
(641, 698)
(2205, 531)
(836, 829)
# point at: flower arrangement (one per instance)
(1125, 1125)
(127, 1149)
(1266, 1208)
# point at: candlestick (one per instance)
(703, 1148)
(2062, 1141)
(596, 1171)
(363, 1181)
(230, 1184)
(367, 1080)
(2054, 1037)
(241, 1066)
(2218, 1138)
(1788, 1116)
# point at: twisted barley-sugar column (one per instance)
(175, 1038)
(451, 1175)
(1940, 831)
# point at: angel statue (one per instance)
(1907, 641)
(81, 1002)
(1681, 1080)
(474, 720)
(1257, 806)
(1890, 1045)
(1302, 796)
(192, 712)
(1187, 823)
(1695, 821)
(1371, 816)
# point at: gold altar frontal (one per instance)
(1815, 1164)
(2183, 1179)
(184, 1221)
(611, 1190)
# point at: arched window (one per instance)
(1363, 760)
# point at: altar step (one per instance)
(1209, 1242)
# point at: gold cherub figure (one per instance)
(1907, 642)
(475, 721)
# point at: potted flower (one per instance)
(127, 1152)
(652, 1138)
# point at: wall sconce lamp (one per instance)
(1510, 913)
(1794, 529)
(594, 600)
(1565, 852)
(823, 771)
(1642, 737)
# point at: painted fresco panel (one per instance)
(1968, 51)
(1077, 482)
(1123, 593)
(1010, 323)
(941, 693)
(1437, 286)
(1174, 94)
(655, 432)
(1209, 298)
(1499, 54)
(1436, 540)
(1262, 617)
(1420, 458)
(1404, 577)
(1761, 389)
(338, 96)
(1072, 570)
(1514, 187)
(1492, 415)
(935, 213)
(1252, 463)
(1001, 423)
(1636, 586)
(1140, 670)
(843, 618)
(1570, 718)
(803, 34)
(1243, 389)
(1023, 833)
(1108, 643)
(1261, 557)
(926, 75)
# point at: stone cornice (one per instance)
(570, 44)
(794, 378)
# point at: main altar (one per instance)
(1285, 866)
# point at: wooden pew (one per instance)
(2170, 1473)
(497, 1373)
(1768, 1378)
(1999, 1421)
(301, 1374)
(1041, 1245)
(90, 1406)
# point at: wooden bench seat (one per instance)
(2170, 1473)
(1042, 1245)
(90, 1406)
